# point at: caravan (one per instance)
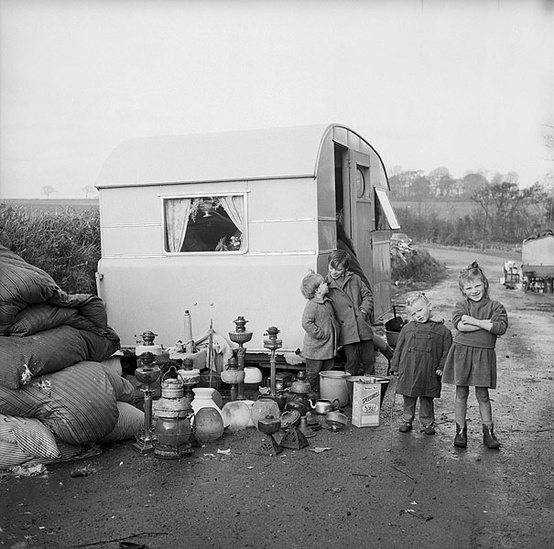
(227, 224)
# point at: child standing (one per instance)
(353, 305)
(419, 358)
(321, 327)
(472, 359)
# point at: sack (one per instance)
(21, 284)
(78, 403)
(130, 422)
(22, 439)
(23, 358)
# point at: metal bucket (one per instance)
(333, 386)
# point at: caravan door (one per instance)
(370, 231)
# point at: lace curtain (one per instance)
(176, 218)
(234, 206)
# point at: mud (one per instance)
(372, 487)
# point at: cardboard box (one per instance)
(366, 403)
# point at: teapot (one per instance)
(323, 406)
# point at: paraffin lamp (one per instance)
(172, 430)
(272, 343)
(233, 377)
(190, 376)
(147, 373)
(240, 336)
(299, 391)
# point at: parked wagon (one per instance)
(228, 224)
(537, 255)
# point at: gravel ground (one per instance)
(372, 487)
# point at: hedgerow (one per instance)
(66, 245)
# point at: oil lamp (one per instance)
(190, 377)
(300, 390)
(233, 376)
(172, 429)
(148, 345)
(148, 337)
(272, 343)
(240, 336)
(147, 373)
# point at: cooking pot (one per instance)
(394, 324)
(269, 425)
(324, 406)
(336, 420)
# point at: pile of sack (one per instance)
(60, 392)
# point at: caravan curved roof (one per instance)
(274, 153)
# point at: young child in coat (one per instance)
(321, 327)
(353, 305)
(419, 359)
(472, 359)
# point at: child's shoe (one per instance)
(429, 429)
(406, 427)
(489, 440)
(460, 440)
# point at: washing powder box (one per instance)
(366, 402)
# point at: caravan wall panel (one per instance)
(152, 294)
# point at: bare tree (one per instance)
(47, 190)
(506, 207)
(89, 189)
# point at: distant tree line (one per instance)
(505, 213)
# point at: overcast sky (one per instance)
(456, 83)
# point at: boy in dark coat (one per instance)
(353, 305)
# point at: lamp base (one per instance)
(163, 451)
(143, 446)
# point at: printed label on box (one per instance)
(366, 404)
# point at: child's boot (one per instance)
(429, 429)
(406, 427)
(460, 440)
(489, 440)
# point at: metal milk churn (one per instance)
(172, 430)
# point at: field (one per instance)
(53, 205)
(427, 208)
(452, 210)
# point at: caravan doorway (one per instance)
(363, 222)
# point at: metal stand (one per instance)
(272, 343)
(240, 336)
(146, 374)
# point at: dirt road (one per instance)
(372, 487)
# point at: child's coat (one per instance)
(321, 327)
(421, 350)
(347, 300)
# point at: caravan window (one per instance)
(205, 224)
(383, 206)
